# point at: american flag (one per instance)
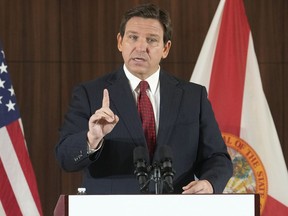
(18, 186)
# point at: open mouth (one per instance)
(139, 59)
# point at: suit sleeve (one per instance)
(213, 161)
(71, 150)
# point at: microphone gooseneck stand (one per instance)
(156, 177)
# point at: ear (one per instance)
(166, 49)
(119, 42)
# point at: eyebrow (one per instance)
(133, 32)
(150, 35)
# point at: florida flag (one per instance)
(18, 188)
(228, 67)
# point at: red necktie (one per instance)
(145, 110)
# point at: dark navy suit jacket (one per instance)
(187, 124)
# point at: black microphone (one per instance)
(165, 155)
(140, 157)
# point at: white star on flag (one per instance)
(3, 68)
(10, 106)
(2, 83)
(11, 91)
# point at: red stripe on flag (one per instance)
(274, 207)
(229, 66)
(7, 196)
(17, 139)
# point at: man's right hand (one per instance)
(101, 122)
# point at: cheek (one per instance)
(125, 54)
(126, 48)
(157, 54)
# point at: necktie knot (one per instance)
(143, 86)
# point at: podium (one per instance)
(168, 205)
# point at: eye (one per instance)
(152, 40)
(133, 37)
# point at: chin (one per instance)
(137, 68)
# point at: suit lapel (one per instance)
(122, 99)
(170, 98)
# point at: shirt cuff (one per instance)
(93, 150)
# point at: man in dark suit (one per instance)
(103, 127)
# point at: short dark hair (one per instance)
(149, 11)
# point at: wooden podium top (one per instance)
(168, 205)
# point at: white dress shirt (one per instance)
(153, 91)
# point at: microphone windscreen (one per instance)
(165, 153)
(140, 153)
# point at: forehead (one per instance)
(144, 25)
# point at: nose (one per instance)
(141, 45)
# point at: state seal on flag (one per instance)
(249, 175)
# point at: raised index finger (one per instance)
(106, 100)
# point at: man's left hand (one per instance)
(198, 187)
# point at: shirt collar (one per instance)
(153, 80)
